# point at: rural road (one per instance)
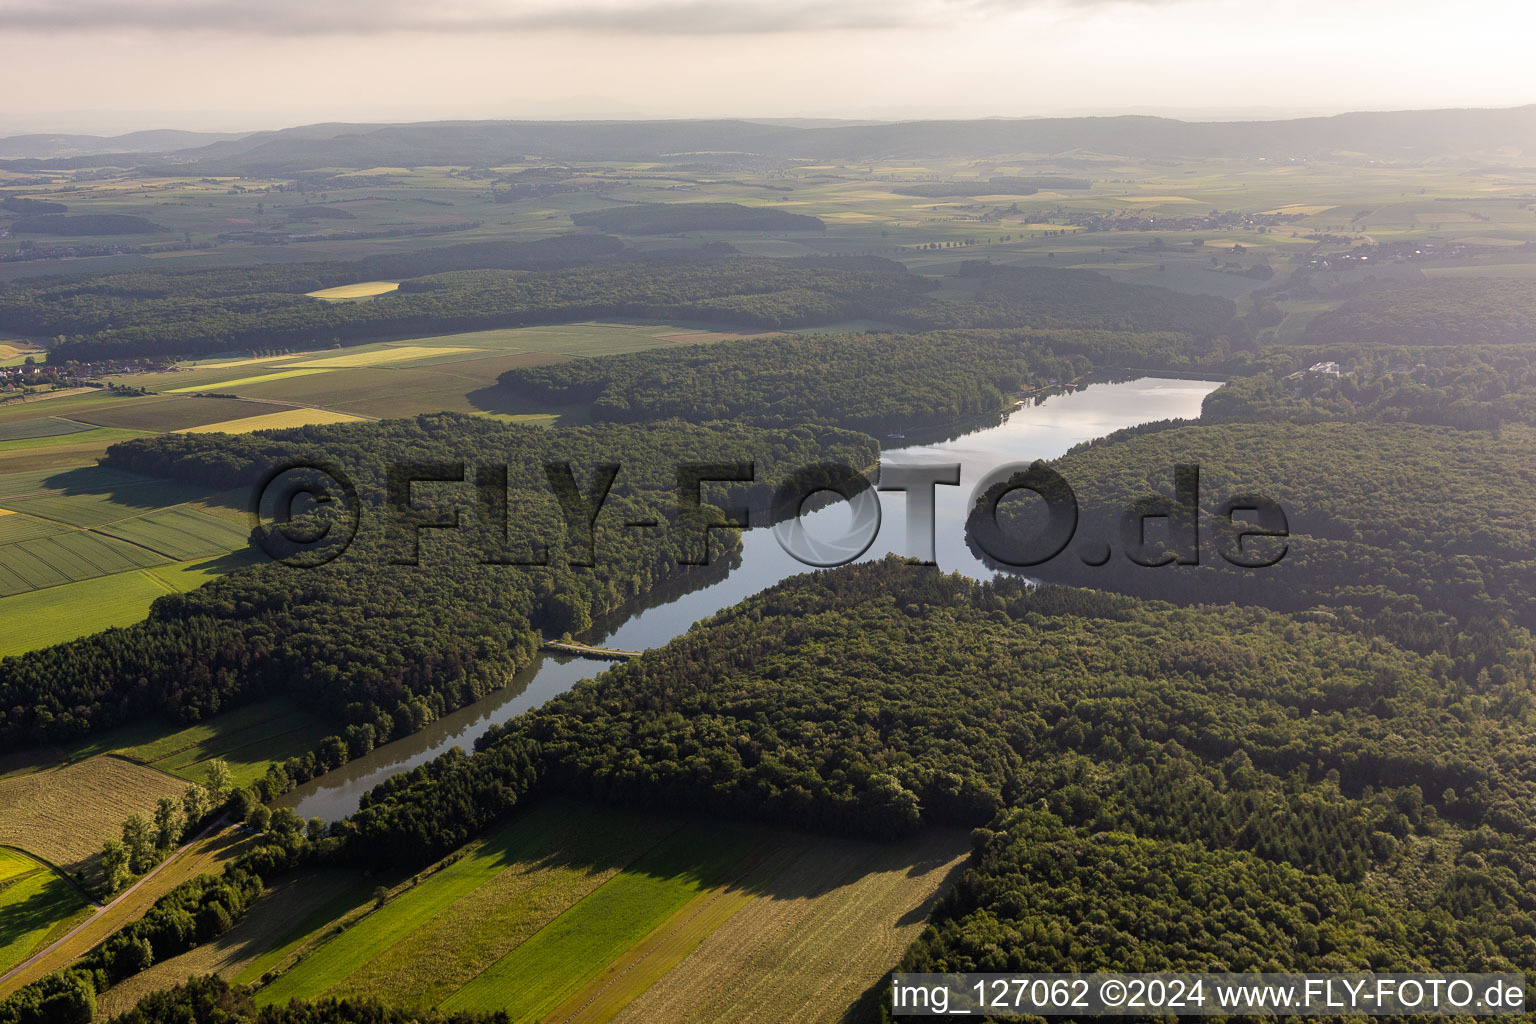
(125, 907)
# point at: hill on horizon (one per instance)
(1410, 135)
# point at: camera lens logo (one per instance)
(826, 478)
(306, 515)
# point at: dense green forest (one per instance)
(481, 285)
(1412, 532)
(1209, 787)
(1077, 322)
(1037, 297)
(666, 218)
(133, 316)
(1471, 311)
(870, 381)
(1473, 387)
(382, 648)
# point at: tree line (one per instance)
(872, 381)
(1466, 311)
(383, 648)
(134, 316)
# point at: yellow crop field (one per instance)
(63, 815)
(276, 421)
(383, 356)
(258, 379)
(361, 290)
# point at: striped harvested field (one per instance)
(63, 815)
(579, 913)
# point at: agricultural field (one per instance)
(69, 557)
(575, 912)
(275, 421)
(15, 353)
(453, 372)
(63, 814)
(72, 428)
(833, 922)
(88, 548)
(288, 904)
(36, 904)
(207, 855)
(361, 290)
(62, 810)
(43, 426)
(226, 385)
(247, 739)
(84, 435)
(41, 618)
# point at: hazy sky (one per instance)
(117, 65)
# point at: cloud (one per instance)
(374, 17)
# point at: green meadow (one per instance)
(35, 904)
(548, 900)
(247, 739)
(86, 549)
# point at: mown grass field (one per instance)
(97, 435)
(42, 618)
(43, 426)
(570, 951)
(35, 905)
(575, 912)
(818, 938)
(64, 814)
(13, 864)
(248, 739)
(287, 904)
(15, 353)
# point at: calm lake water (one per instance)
(1041, 429)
